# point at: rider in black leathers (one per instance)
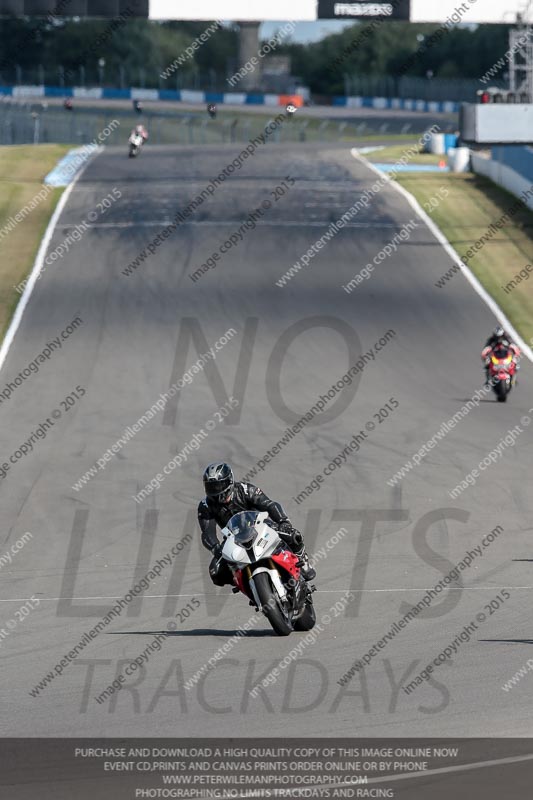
(226, 497)
(498, 336)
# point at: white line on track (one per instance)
(319, 591)
(439, 236)
(227, 223)
(39, 260)
(495, 762)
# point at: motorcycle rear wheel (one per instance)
(270, 602)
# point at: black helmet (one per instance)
(219, 481)
(499, 332)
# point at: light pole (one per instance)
(36, 127)
(101, 66)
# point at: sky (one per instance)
(306, 31)
(301, 10)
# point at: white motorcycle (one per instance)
(267, 572)
(136, 141)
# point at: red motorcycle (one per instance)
(501, 361)
(267, 572)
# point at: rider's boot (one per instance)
(308, 573)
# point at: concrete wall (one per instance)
(505, 176)
(517, 157)
(497, 123)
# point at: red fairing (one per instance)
(288, 562)
(238, 581)
(503, 366)
(502, 370)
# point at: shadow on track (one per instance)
(198, 632)
(508, 641)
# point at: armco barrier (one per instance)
(398, 104)
(233, 98)
(33, 120)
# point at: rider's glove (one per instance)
(217, 550)
(286, 526)
(290, 530)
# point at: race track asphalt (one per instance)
(140, 332)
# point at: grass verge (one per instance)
(391, 155)
(22, 171)
(472, 205)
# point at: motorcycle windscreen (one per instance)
(242, 526)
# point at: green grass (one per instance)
(472, 205)
(406, 138)
(390, 155)
(22, 170)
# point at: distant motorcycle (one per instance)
(212, 110)
(136, 141)
(502, 366)
(267, 572)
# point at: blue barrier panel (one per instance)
(214, 97)
(517, 157)
(169, 94)
(57, 91)
(254, 98)
(117, 94)
(450, 140)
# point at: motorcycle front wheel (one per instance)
(501, 392)
(308, 618)
(270, 603)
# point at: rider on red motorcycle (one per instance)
(498, 344)
(226, 497)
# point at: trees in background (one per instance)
(138, 50)
(384, 50)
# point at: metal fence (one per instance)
(122, 77)
(40, 123)
(436, 89)
(191, 77)
(188, 76)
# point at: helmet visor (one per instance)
(217, 488)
